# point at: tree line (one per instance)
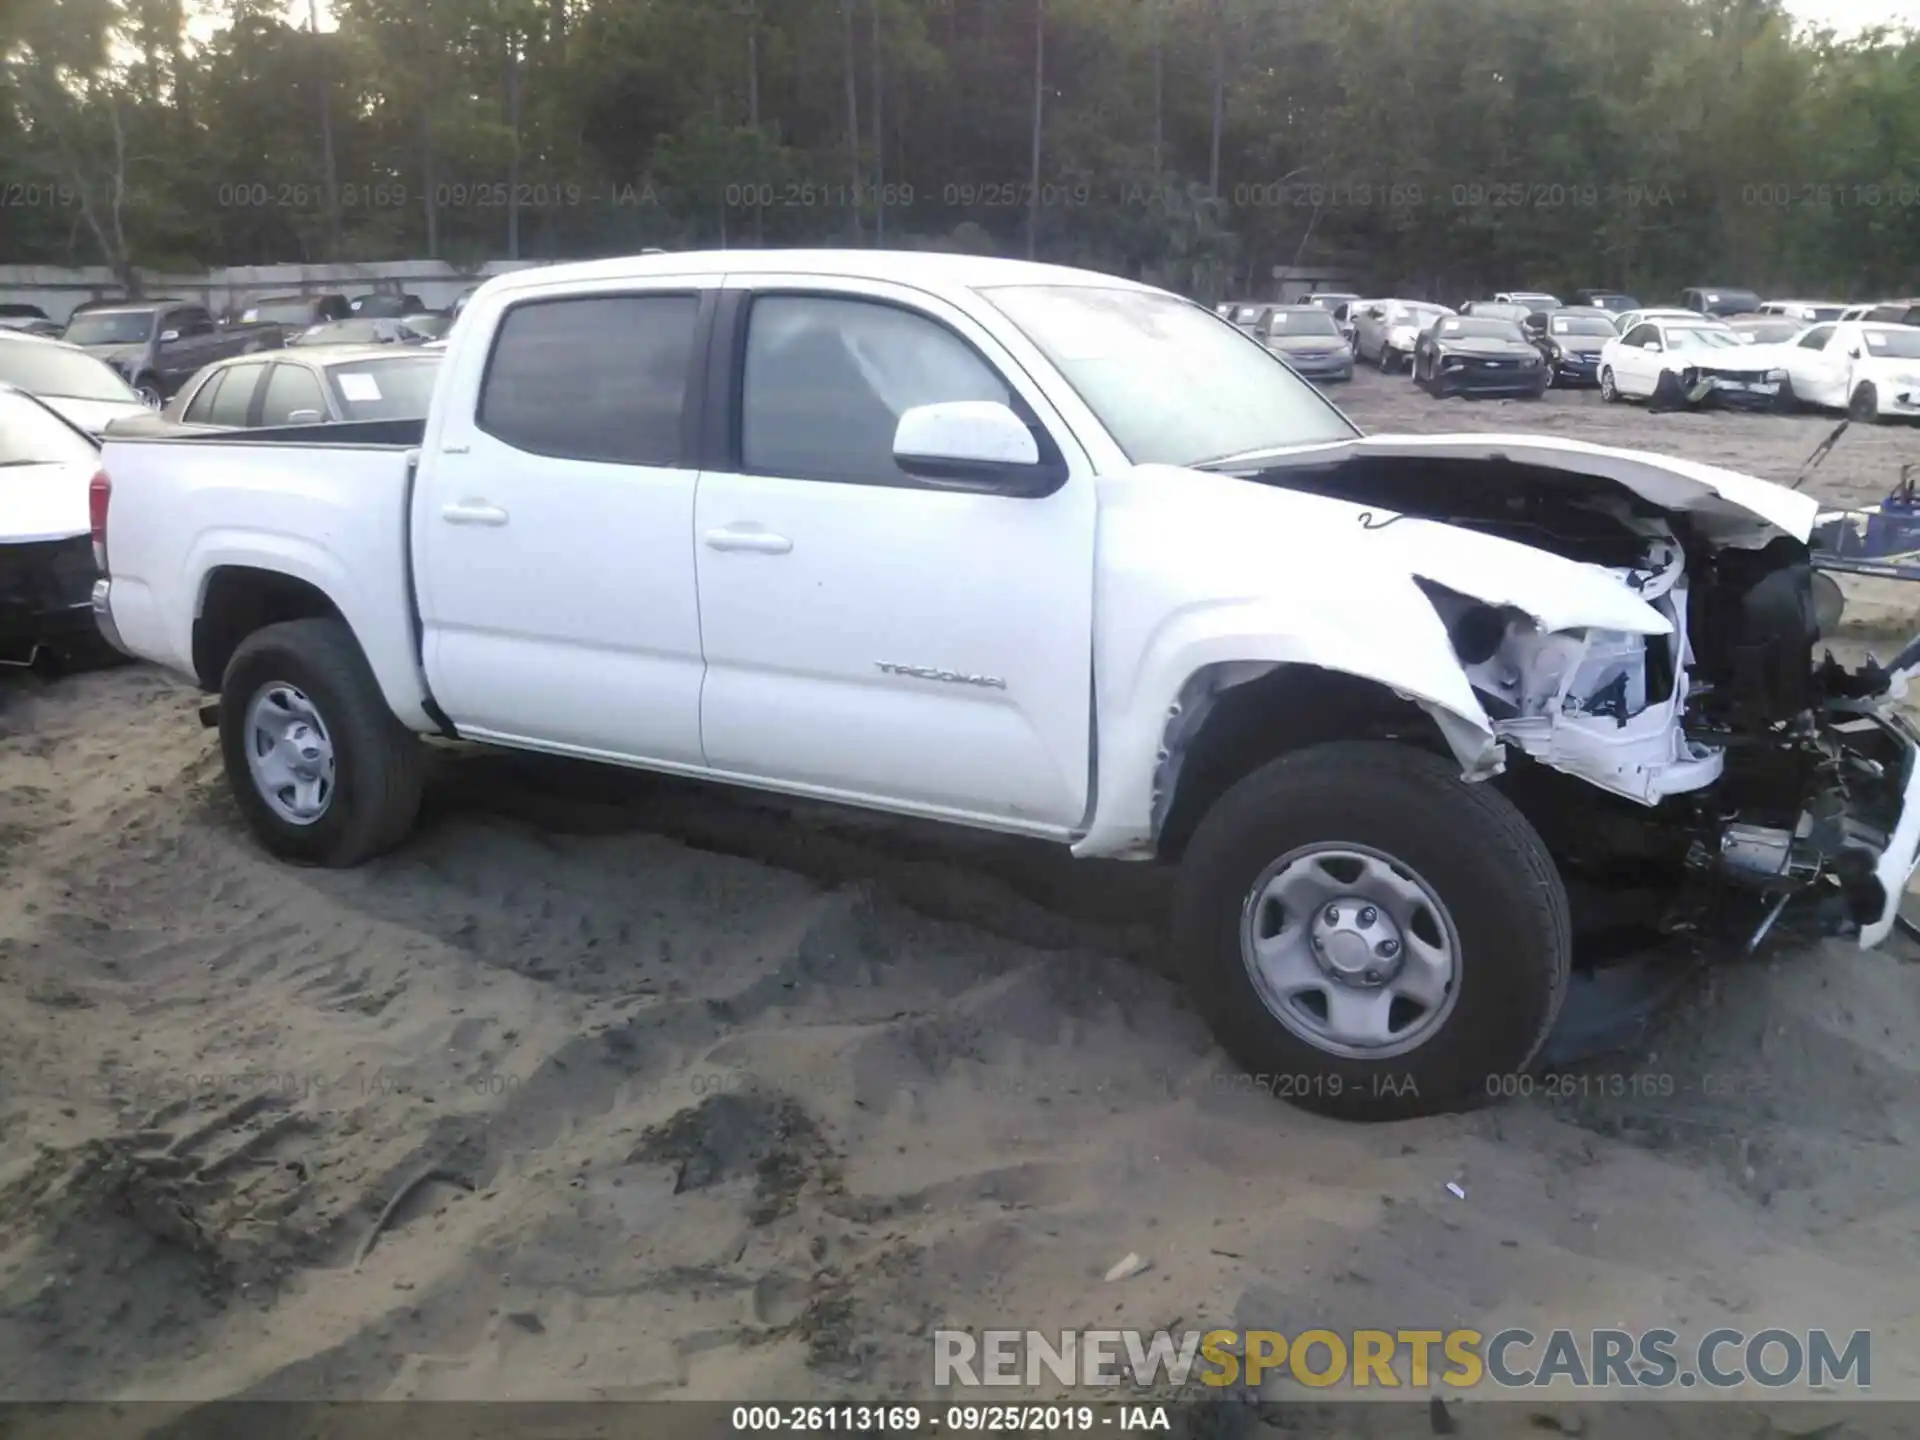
(1445, 146)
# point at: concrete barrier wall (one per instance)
(57, 290)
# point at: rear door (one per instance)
(553, 534)
(869, 636)
(1810, 362)
(294, 396)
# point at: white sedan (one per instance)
(1870, 371)
(1685, 363)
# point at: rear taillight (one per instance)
(98, 493)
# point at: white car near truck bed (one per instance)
(1059, 555)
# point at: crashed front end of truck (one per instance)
(1748, 778)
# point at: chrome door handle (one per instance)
(473, 512)
(763, 542)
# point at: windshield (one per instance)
(1172, 384)
(1535, 300)
(110, 327)
(1580, 325)
(279, 312)
(1771, 333)
(1702, 339)
(383, 389)
(30, 434)
(1331, 301)
(1246, 314)
(1496, 310)
(1480, 327)
(46, 369)
(1303, 322)
(1895, 342)
(1420, 316)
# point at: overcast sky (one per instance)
(1847, 16)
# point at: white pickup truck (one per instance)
(1060, 555)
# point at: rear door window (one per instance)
(292, 388)
(231, 405)
(601, 377)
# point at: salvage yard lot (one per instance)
(752, 1096)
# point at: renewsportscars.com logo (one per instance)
(1605, 1359)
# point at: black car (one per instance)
(1570, 342)
(1613, 300)
(1478, 355)
(385, 306)
(1719, 301)
(47, 567)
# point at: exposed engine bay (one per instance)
(1730, 757)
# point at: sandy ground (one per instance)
(730, 1098)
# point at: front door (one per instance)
(869, 636)
(553, 532)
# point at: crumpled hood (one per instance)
(1736, 509)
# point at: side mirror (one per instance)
(1854, 354)
(972, 445)
(167, 337)
(305, 417)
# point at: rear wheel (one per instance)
(1372, 937)
(318, 764)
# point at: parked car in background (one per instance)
(1385, 331)
(47, 569)
(1496, 310)
(294, 313)
(1871, 371)
(304, 385)
(1531, 300)
(1719, 301)
(84, 391)
(385, 303)
(1570, 341)
(28, 320)
(1477, 355)
(396, 330)
(1246, 313)
(1613, 300)
(1338, 304)
(156, 346)
(1307, 338)
(1807, 312)
(1857, 312)
(1631, 318)
(1682, 363)
(1894, 312)
(1047, 553)
(1765, 329)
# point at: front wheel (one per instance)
(1609, 392)
(149, 392)
(1865, 405)
(1785, 401)
(1375, 937)
(318, 764)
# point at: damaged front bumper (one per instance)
(1704, 389)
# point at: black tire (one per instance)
(148, 389)
(1475, 850)
(1667, 393)
(378, 762)
(1785, 402)
(1385, 362)
(1864, 404)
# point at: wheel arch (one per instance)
(237, 600)
(1232, 719)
